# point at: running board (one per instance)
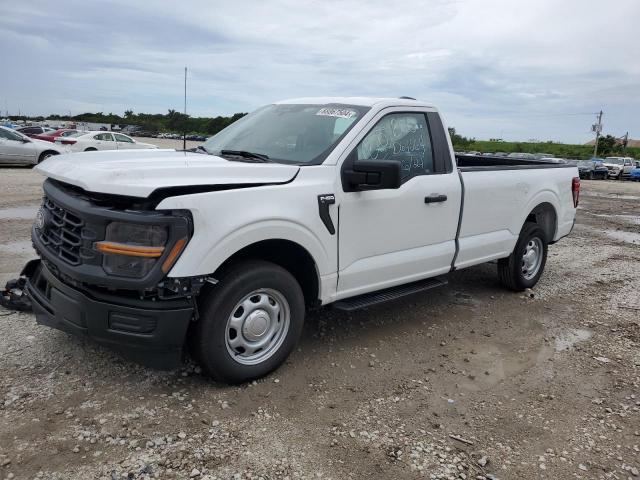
(381, 296)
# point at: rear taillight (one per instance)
(575, 190)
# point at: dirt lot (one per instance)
(538, 385)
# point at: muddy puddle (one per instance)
(22, 247)
(632, 219)
(624, 236)
(27, 212)
(566, 340)
(610, 196)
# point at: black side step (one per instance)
(393, 293)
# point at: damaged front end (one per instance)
(103, 270)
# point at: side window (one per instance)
(6, 134)
(123, 138)
(403, 137)
(104, 137)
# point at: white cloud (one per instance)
(521, 69)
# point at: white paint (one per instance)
(384, 237)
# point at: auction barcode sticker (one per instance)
(336, 112)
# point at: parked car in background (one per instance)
(51, 136)
(592, 169)
(527, 156)
(197, 138)
(543, 155)
(634, 174)
(18, 149)
(91, 141)
(619, 167)
(31, 131)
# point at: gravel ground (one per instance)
(466, 382)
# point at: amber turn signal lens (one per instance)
(173, 254)
(130, 250)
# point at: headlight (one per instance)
(132, 250)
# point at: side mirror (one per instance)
(25, 140)
(371, 175)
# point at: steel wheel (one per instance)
(532, 258)
(257, 326)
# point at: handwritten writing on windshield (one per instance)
(399, 138)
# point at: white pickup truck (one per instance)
(301, 204)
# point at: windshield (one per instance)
(586, 163)
(615, 160)
(288, 133)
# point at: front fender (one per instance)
(205, 253)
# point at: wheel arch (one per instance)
(289, 255)
(545, 215)
(44, 152)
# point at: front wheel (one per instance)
(45, 155)
(523, 268)
(249, 322)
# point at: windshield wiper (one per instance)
(200, 147)
(243, 153)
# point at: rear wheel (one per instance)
(249, 322)
(523, 268)
(90, 149)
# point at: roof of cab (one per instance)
(359, 101)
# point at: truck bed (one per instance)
(470, 163)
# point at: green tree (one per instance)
(458, 140)
(607, 144)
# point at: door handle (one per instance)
(435, 198)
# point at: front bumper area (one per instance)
(148, 332)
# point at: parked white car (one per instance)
(91, 141)
(18, 149)
(619, 167)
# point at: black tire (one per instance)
(46, 154)
(208, 337)
(90, 149)
(510, 269)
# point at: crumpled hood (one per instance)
(138, 173)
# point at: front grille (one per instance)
(61, 232)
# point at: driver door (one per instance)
(14, 150)
(104, 141)
(388, 237)
(125, 142)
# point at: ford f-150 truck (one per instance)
(300, 204)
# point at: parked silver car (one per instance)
(18, 149)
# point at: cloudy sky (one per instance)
(513, 69)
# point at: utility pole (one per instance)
(597, 127)
(184, 131)
(624, 144)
